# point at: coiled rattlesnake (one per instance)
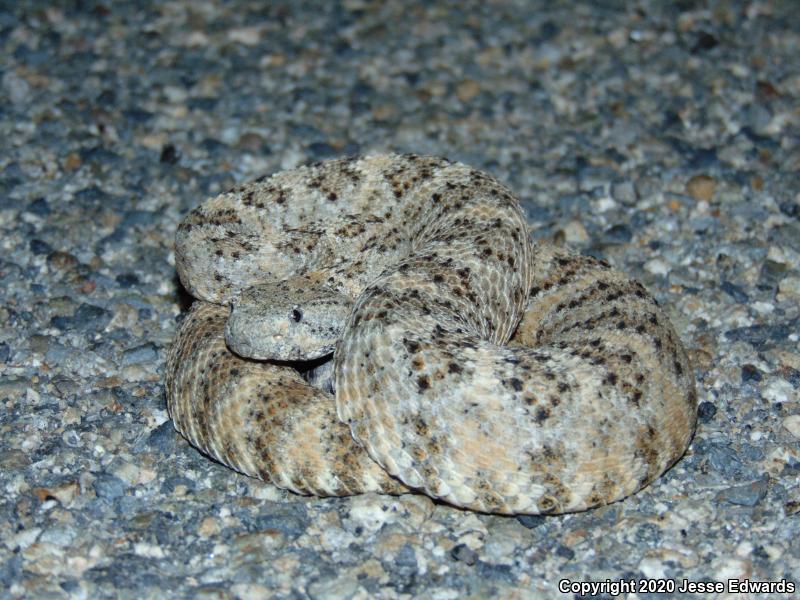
(419, 271)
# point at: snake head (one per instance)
(296, 319)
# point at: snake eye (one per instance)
(296, 315)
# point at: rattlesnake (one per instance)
(418, 271)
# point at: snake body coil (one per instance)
(592, 398)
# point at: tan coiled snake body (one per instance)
(419, 271)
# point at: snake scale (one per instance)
(469, 363)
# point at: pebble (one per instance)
(789, 289)
(142, 354)
(706, 411)
(792, 425)
(701, 187)
(88, 318)
(575, 233)
(530, 521)
(163, 440)
(13, 459)
(108, 486)
(624, 192)
(745, 495)
(722, 457)
(751, 373)
(343, 586)
(251, 591)
(467, 90)
(657, 266)
(735, 292)
(618, 234)
(291, 521)
(463, 553)
(40, 247)
(16, 87)
(779, 391)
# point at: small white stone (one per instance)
(148, 550)
(472, 540)
(251, 591)
(32, 396)
(730, 568)
(776, 254)
(792, 425)
(575, 233)
(196, 39)
(445, 594)
(499, 550)
(23, 539)
(127, 472)
(652, 568)
(779, 390)
(656, 266)
(368, 512)
(605, 204)
(249, 36)
(175, 94)
(333, 538)
(763, 308)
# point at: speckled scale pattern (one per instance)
(262, 419)
(591, 400)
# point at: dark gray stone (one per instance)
(109, 487)
(735, 292)
(127, 280)
(39, 207)
(465, 554)
(495, 572)
(565, 552)
(321, 150)
(721, 457)
(624, 192)
(750, 494)
(40, 247)
(703, 158)
(706, 411)
(791, 209)
(618, 234)
(92, 196)
(761, 336)
(146, 353)
(89, 317)
(291, 520)
(750, 373)
(163, 439)
(751, 453)
(531, 521)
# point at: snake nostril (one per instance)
(296, 315)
